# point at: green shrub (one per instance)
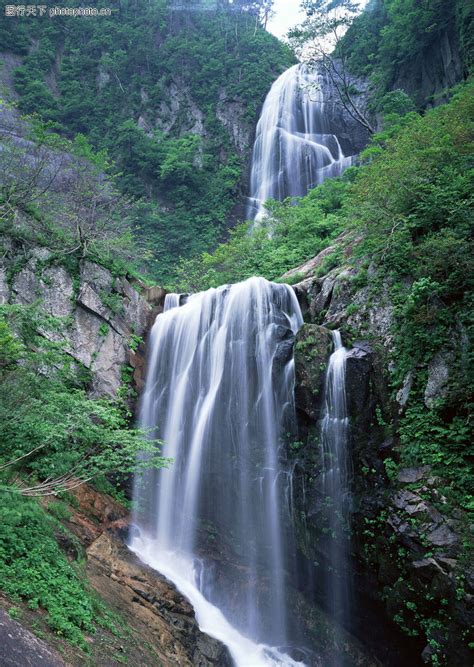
(34, 569)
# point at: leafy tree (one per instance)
(56, 191)
(54, 437)
(391, 40)
(295, 231)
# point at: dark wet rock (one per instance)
(312, 349)
(358, 372)
(410, 475)
(20, 648)
(406, 543)
(442, 537)
(427, 654)
(427, 568)
(405, 500)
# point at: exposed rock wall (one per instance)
(104, 318)
(406, 545)
(152, 605)
(428, 78)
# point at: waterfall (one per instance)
(335, 494)
(294, 148)
(219, 394)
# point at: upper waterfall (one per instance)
(219, 393)
(294, 148)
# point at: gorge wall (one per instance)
(103, 318)
(408, 542)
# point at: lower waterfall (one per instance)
(219, 394)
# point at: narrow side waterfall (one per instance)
(219, 394)
(294, 148)
(335, 484)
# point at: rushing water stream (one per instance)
(334, 440)
(294, 148)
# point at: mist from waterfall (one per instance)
(219, 393)
(294, 148)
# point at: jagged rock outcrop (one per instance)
(160, 620)
(103, 318)
(149, 603)
(152, 605)
(312, 349)
(353, 136)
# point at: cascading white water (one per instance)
(335, 487)
(294, 149)
(219, 393)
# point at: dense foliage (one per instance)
(53, 192)
(148, 85)
(54, 437)
(51, 431)
(296, 230)
(414, 202)
(35, 570)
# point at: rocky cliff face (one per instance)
(19, 646)
(436, 70)
(156, 623)
(352, 136)
(102, 318)
(407, 544)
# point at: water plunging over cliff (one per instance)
(219, 393)
(294, 148)
(335, 493)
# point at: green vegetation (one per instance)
(54, 437)
(413, 202)
(147, 85)
(54, 194)
(296, 231)
(51, 431)
(33, 569)
(391, 41)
